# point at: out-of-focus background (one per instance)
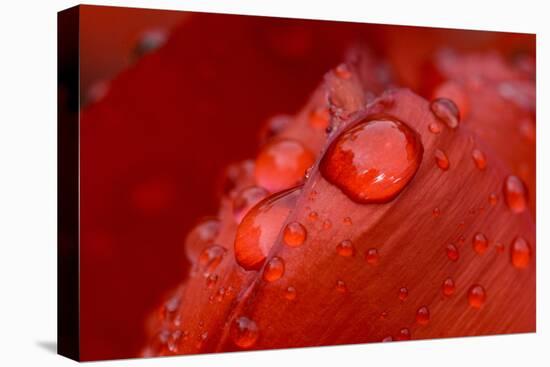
(167, 100)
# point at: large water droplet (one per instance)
(480, 243)
(479, 159)
(374, 160)
(441, 159)
(446, 111)
(345, 248)
(281, 164)
(294, 234)
(448, 287)
(520, 252)
(452, 252)
(244, 332)
(274, 269)
(246, 199)
(476, 296)
(260, 227)
(423, 315)
(515, 194)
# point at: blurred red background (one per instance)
(170, 99)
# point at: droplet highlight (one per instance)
(446, 111)
(372, 257)
(520, 252)
(515, 194)
(423, 315)
(294, 234)
(345, 248)
(476, 296)
(274, 269)
(480, 243)
(448, 287)
(441, 160)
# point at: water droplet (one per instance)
(446, 111)
(448, 287)
(345, 248)
(203, 234)
(441, 159)
(476, 296)
(374, 160)
(211, 257)
(244, 332)
(290, 293)
(274, 126)
(274, 269)
(319, 118)
(342, 71)
(246, 199)
(480, 243)
(434, 127)
(515, 194)
(387, 339)
(493, 199)
(383, 315)
(499, 246)
(260, 228)
(281, 164)
(372, 256)
(520, 252)
(527, 130)
(341, 286)
(313, 216)
(327, 224)
(423, 315)
(403, 294)
(436, 212)
(404, 334)
(452, 252)
(168, 310)
(479, 159)
(347, 221)
(236, 175)
(211, 280)
(294, 234)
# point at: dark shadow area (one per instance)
(49, 346)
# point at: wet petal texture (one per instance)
(364, 213)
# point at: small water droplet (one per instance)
(211, 257)
(476, 296)
(274, 269)
(203, 234)
(246, 199)
(480, 243)
(423, 315)
(434, 127)
(448, 287)
(383, 315)
(499, 246)
(244, 332)
(520, 252)
(327, 224)
(319, 118)
(446, 111)
(341, 286)
(441, 160)
(452, 252)
(281, 164)
(436, 212)
(387, 339)
(294, 234)
(273, 126)
(527, 130)
(479, 159)
(347, 221)
(515, 194)
(403, 294)
(345, 248)
(374, 160)
(290, 293)
(493, 199)
(342, 71)
(211, 280)
(372, 256)
(168, 310)
(260, 228)
(313, 216)
(404, 334)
